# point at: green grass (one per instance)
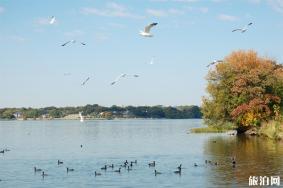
(209, 129)
(272, 130)
(217, 128)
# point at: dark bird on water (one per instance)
(119, 171)
(104, 168)
(37, 169)
(70, 170)
(156, 172)
(44, 174)
(151, 164)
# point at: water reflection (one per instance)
(42, 143)
(255, 156)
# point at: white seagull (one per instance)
(118, 78)
(52, 20)
(146, 32)
(151, 61)
(123, 76)
(244, 29)
(86, 80)
(72, 41)
(214, 62)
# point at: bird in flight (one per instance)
(151, 61)
(214, 62)
(52, 20)
(146, 31)
(86, 80)
(244, 29)
(118, 78)
(72, 41)
(123, 76)
(67, 74)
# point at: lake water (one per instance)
(42, 143)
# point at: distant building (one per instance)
(18, 115)
(45, 116)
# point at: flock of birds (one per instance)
(144, 33)
(132, 165)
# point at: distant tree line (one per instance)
(97, 111)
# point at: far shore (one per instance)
(87, 119)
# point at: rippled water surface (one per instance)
(42, 143)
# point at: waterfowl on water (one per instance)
(178, 171)
(104, 168)
(59, 162)
(151, 164)
(119, 171)
(70, 170)
(97, 173)
(135, 162)
(195, 165)
(156, 172)
(2, 151)
(44, 174)
(111, 166)
(37, 169)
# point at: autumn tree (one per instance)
(244, 89)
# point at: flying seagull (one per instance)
(214, 62)
(123, 76)
(72, 41)
(244, 29)
(118, 78)
(86, 80)
(151, 61)
(52, 20)
(146, 32)
(67, 74)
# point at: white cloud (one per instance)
(17, 38)
(185, 1)
(181, 1)
(44, 21)
(101, 37)
(163, 13)
(2, 9)
(74, 33)
(157, 13)
(111, 10)
(254, 1)
(276, 5)
(203, 9)
(226, 17)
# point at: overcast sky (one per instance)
(189, 35)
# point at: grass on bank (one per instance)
(272, 130)
(221, 128)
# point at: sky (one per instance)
(189, 35)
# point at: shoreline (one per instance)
(90, 119)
